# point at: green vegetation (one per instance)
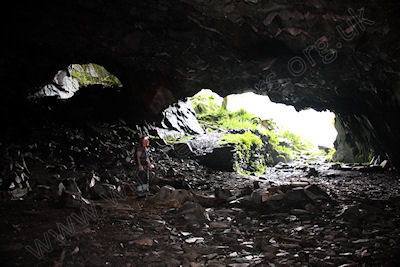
(89, 74)
(329, 157)
(246, 144)
(258, 142)
(237, 120)
(296, 141)
(208, 110)
(248, 140)
(176, 140)
(204, 103)
(328, 153)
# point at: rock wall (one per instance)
(350, 146)
(337, 55)
(181, 117)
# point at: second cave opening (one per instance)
(62, 158)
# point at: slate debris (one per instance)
(195, 216)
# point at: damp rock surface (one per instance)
(77, 206)
(338, 55)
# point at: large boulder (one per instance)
(168, 193)
(193, 213)
(221, 158)
(181, 117)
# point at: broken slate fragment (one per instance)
(193, 240)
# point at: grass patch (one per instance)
(247, 139)
(330, 154)
(246, 145)
(224, 119)
(251, 151)
(296, 142)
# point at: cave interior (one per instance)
(341, 56)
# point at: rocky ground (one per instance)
(80, 209)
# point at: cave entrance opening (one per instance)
(262, 132)
(67, 82)
(315, 127)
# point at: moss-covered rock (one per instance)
(248, 156)
(89, 74)
(258, 143)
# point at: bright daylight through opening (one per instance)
(200, 133)
(311, 125)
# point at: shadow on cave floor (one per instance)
(307, 213)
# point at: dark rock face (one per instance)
(221, 158)
(182, 118)
(353, 139)
(320, 54)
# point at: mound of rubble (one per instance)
(71, 201)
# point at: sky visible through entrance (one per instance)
(315, 127)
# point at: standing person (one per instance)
(143, 166)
